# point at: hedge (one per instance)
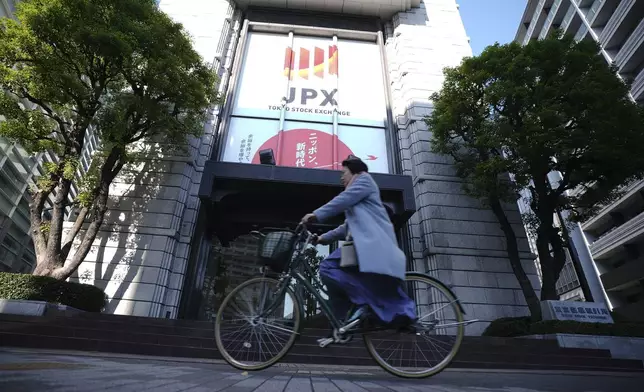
(521, 326)
(42, 288)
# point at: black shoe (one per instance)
(405, 325)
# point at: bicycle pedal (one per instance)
(325, 342)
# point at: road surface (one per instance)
(39, 370)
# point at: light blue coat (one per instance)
(372, 231)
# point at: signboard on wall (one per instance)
(313, 77)
(589, 312)
(307, 145)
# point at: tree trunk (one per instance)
(548, 276)
(44, 265)
(111, 168)
(71, 235)
(534, 305)
(559, 259)
(55, 236)
(52, 253)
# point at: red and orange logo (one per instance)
(305, 69)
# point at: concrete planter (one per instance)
(620, 347)
(35, 308)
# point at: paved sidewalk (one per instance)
(32, 370)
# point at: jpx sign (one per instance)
(306, 95)
(589, 312)
(305, 77)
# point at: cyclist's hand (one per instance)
(319, 240)
(309, 218)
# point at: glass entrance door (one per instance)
(229, 266)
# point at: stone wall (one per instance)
(620, 347)
(141, 255)
(454, 237)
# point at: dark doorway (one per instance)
(239, 198)
(229, 266)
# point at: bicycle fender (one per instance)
(419, 274)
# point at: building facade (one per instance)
(616, 235)
(314, 82)
(7, 8)
(616, 238)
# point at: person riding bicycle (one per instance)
(376, 284)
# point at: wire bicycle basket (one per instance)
(276, 249)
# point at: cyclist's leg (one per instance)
(331, 277)
(338, 299)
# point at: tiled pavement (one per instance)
(23, 370)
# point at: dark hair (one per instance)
(355, 165)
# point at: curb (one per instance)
(312, 367)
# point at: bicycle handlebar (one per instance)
(299, 230)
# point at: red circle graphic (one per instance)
(306, 148)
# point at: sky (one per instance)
(490, 21)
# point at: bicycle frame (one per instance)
(302, 242)
(291, 273)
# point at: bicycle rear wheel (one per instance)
(250, 340)
(439, 329)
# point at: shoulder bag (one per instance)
(348, 257)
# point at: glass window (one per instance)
(6, 255)
(23, 207)
(13, 175)
(11, 243)
(6, 204)
(18, 164)
(29, 160)
(29, 258)
(8, 186)
(315, 77)
(5, 145)
(22, 220)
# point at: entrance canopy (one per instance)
(241, 197)
(381, 8)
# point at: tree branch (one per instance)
(60, 53)
(35, 212)
(61, 123)
(57, 220)
(40, 239)
(112, 166)
(73, 232)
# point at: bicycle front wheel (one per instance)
(431, 344)
(257, 324)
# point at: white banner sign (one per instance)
(313, 76)
(589, 312)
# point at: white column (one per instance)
(588, 266)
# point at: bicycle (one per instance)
(281, 251)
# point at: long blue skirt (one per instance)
(383, 294)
